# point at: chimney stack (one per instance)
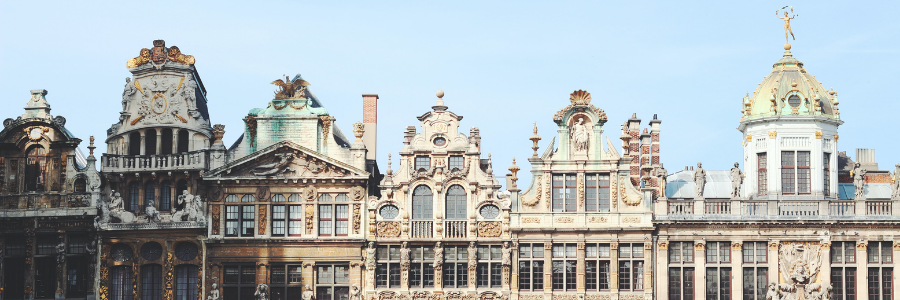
(370, 121)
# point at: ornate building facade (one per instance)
(48, 190)
(439, 227)
(583, 227)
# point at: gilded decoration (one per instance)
(598, 219)
(736, 246)
(818, 135)
(489, 229)
(663, 245)
(262, 219)
(288, 89)
(896, 246)
(532, 220)
(580, 193)
(564, 219)
(773, 245)
(310, 211)
(700, 246)
(356, 218)
(169, 276)
(159, 55)
(772, 134)
(595, 297)
(387, 229)
(862, 245)
(826, 245)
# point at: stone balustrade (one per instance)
(135, 163)
(774, 209)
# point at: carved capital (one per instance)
(700, 246)
(580, 245)
(862, 245)
(773, 245)
(737, 246)
(825, 245)
(664, 245)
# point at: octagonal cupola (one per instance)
(789, 126)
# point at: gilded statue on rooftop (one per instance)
(787, 22)
(291, 89)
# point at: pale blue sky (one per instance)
(503, 65)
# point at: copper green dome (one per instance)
(790, 91)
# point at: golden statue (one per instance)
(787, 23)
(290, 89)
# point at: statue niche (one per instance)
(580, 131)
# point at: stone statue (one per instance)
(404, 255)
(771, 292)
(506, 258)
(663, 180)
(787, 23)
(859, 180)
(192, 211)
(580, 135)
(438, 255)
(116, 208)
(473, 255)
(354, 292)
(370, 257)
(307, 293)
(895, 186)
(737, 178)
(280, 166)
(61, 251)
(214, 292)
(699, 180)
(129, 91)
(152, 213)
(262, 292)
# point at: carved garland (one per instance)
(215, 219)
(537, 196)
(489, 229)
(613, 181)
(326, 127)
(262, 219)
(547, 190)
(310, 211)
(581, 188)
(356, 218)
(388, 229)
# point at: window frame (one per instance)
(245, 285)
(421, 267)
(762, 163)
(422, 162)
(455, 204)
(531, 266)
(633, 265)
(844, 271)
(422, 203)
(564, 267)
(597, 193)
(334, 285)
(564, 192)
(488, 271)
(287, 288)
(456, 270)
(388, 272)
(151, 282)
(597, 255)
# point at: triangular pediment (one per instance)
(289, 161)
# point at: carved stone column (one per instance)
(648, 268)
(662, 271)
(548, 267)
(862, 267)
(309, 274)
(579, 268)
(700, 269)
(143, 143)
(773, 261)
(825, 259)
(262, 272)
(614, 267)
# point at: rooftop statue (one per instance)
(699, 180)
(291, 89)
(787, 23)
(737, 178)
(859, 180)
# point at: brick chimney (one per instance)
(634, 149)
(370, 121)
(654, 150)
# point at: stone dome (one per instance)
(790, 91)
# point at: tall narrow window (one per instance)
(239, 282)
(80, 185)
(165, 196)
(631, 267)
(332, 282)
(134, 197)
(596, 193)
(422, 203)
(387, 274)
(564, 265)
(681, 270)
(333, 218)
(564, 194)
(843, 270)
(456, 203)
(150, 193)
(456, 162)
(488, 268)
(278, 222)
(456, 273)
(165, 145)
(881, 270)
(295, 224)
(826, 174)
(325, 219)
(761, 182)
(803, 172)
(150, 142)
(421, 272)
(718, 270)
(531, 267)
(755, 270)
(35, 169)
(151, 282)
(120, 283)
(134, 143)
(183, 141)
(788, 171)
(186, 282)
(596, 267)
(285, 281)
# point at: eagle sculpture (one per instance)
(290, 89)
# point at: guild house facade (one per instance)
(297, 209)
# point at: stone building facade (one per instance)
(48, 190)
(583, 227)
(439, 227)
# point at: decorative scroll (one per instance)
(387, 229)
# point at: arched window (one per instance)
(150, 142)
(165, 141)
(134, 143)
(456, 203)
(80, 185)
(182, 141)
(151, 282)
(35, 169)
(150, 193)
(422, 203)
(134, 197)
(165, 196)
(186, 282)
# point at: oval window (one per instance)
(490, 212)
(151, 250)
(440, 141)
(121, 252)
(186, 251)
(389, 211)
(794, 101)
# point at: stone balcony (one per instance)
(113, 163)
(439, 229)
(46, 204)
(776, 209)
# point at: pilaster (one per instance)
(737, 273)
(862, 268)
(700, 269)
(662, 270)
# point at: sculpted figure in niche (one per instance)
(663, 176)
(737, 178)
(262, 292)
(370, 257)
(438, 255)
(859, 180)
(61, 250)
(214, 292)
(895, 187)
(506, 258)
(404, 255)
(579, 135)
(699, 180)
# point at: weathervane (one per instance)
(787, 22)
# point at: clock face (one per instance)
(35, 133)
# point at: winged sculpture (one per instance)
(291, 89)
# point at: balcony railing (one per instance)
(753, 208)
(798, 208)
(178, 161)
(778, 209)
(681, 208)
(878, 208)
(421, 229)
(454, 229)
(842, 208)
(718, 207)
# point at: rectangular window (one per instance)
(278, 220)
(596, 264)
(631, 267)
(564, 193)
(295, 224)
(44, 277)
(333, 219)
(843, 282)
(325, 219)
(151, 282)
(248, 224)
(421, 271)
(456, 272)
(120, 283)
(718, 252)
(284, 281)
(186, 279)
(788, 169)
(457, 162)
(754, 252)
(333, 282)
(755, 279)
(681, 252)
(387, 274)
(880, 284)
(488, 268)
(531, 267)
(681, 283)
(762, 181)
(239, 282)
(718, 283)
(76, 276)
(826, 174)
(423, 162)
(803, 172)
(232, 217)
(596, 193)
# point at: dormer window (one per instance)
(794, 101)
(423, 162)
